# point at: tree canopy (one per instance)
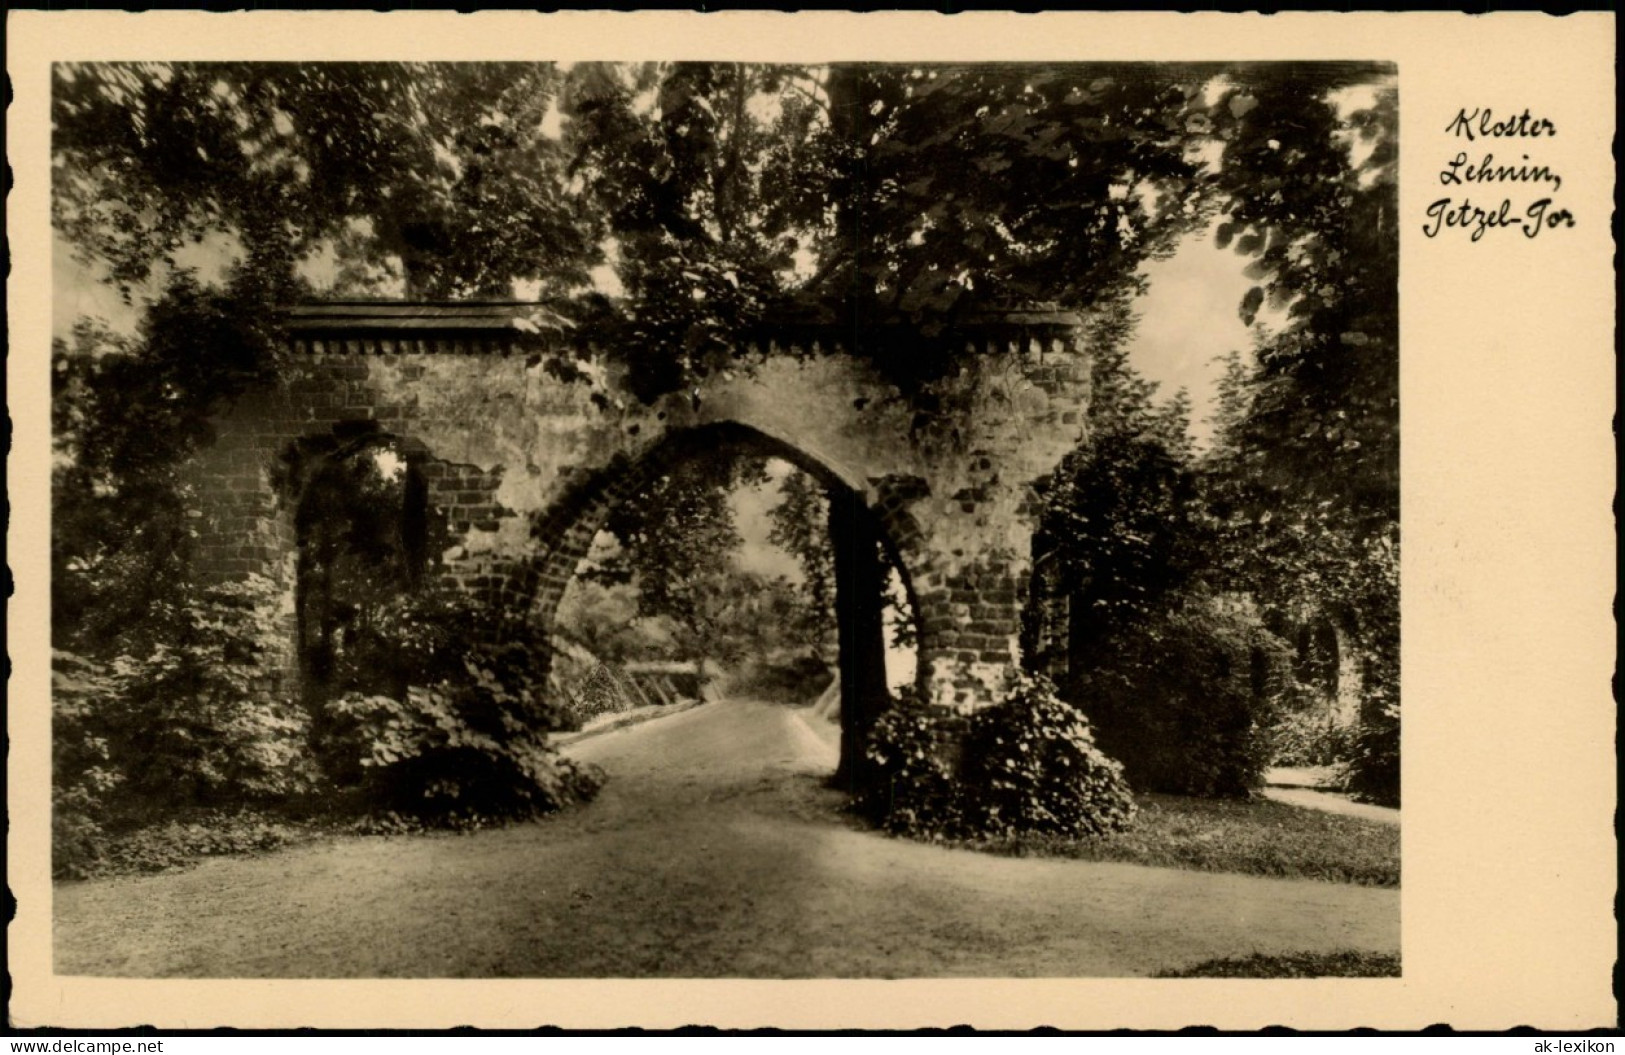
(665, 212)
(1295, 506)
(667, 209)
(875, 196)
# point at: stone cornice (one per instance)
(385, 327)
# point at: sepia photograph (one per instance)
(714, 519)
(810, 521)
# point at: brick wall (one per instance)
(523, 468)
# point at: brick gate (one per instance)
(522, 460)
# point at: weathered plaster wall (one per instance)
(523, 467)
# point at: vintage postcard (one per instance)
(817, 521)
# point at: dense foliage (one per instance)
(800, 526)
(1175, 563)
(677, 539)
(915, 787)
(393, 171)
(1122, 518)
(179, 723)
(1034, 763)
(1373, 762)
(1186, 699)
(1172, 677)
(1027, 764)
(1307, 736)
(126, 413)
(891, 199)
(362, 521)
(434, 712)
(1167, 648)
(664, 210)
(462, 753)
(958, 187)
(1305, 474)
(176, 839)
(790, 677)
(178, 719)
(665, 582)
(603, 619)
(600, 691)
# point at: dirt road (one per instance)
(714, 852)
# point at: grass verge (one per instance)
(181, 841)
(1256, 837)
(1299, 965)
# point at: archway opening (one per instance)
(725, 563)
(363, 528)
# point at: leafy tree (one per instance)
(766, 616)
(603, 618)
(441, 175)
(674, 566)
(963, 186)
(1305, 474)
(1321, 231)
(171, 720)
(891, 199)
(1122, 515)
(678, 541)
(126, 414)
(461, 738)
(801, 527)
(1179, 682)
(681, 161)
(1299, 496)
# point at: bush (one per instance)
(600, 692)
(187, 720)
(1027, 764)
(179, 841)
(1032, 765)
(78, 841)
(1373, 766)
(458, 755)
(1185, 699)
(180, 718)
(1304, 736)
(915, 789)
(795, 680)
(83, 776)
(442, 719)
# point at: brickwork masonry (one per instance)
(522, 467)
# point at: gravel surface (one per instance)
(715, 851)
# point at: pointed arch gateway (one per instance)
(859, 530)
(521, 462)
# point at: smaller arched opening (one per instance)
(680, 488)
(365, 534)
(1324, 663)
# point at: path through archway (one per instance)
(867, 562)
